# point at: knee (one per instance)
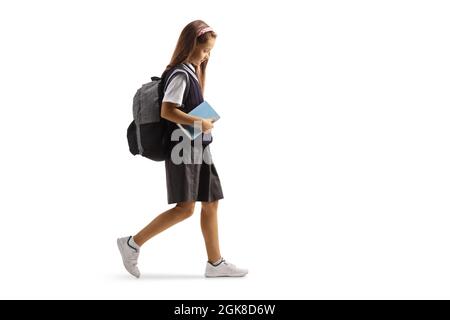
(210, 206)
(185, 209)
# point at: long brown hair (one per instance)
(186, 44)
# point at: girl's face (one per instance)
(201, 52)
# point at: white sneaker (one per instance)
(224, 269)
(129, 254)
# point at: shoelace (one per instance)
(229, 264)
(133, 257)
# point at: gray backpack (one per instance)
(147, 133)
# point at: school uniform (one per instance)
(189, 181)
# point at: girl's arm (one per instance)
(170, 112)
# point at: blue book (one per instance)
(205, 111)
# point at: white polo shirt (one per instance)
(175, 90)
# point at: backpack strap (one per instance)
(179, 70)
(189, 70)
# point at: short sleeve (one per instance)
(175, 89)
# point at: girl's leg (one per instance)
(164, 221)
(210, 229)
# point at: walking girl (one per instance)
(190, 181)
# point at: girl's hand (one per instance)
(207, 125)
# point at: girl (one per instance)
(190, 181)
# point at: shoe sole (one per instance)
(226, 276)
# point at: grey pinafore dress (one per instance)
(197, 180)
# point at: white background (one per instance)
(333, 149)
